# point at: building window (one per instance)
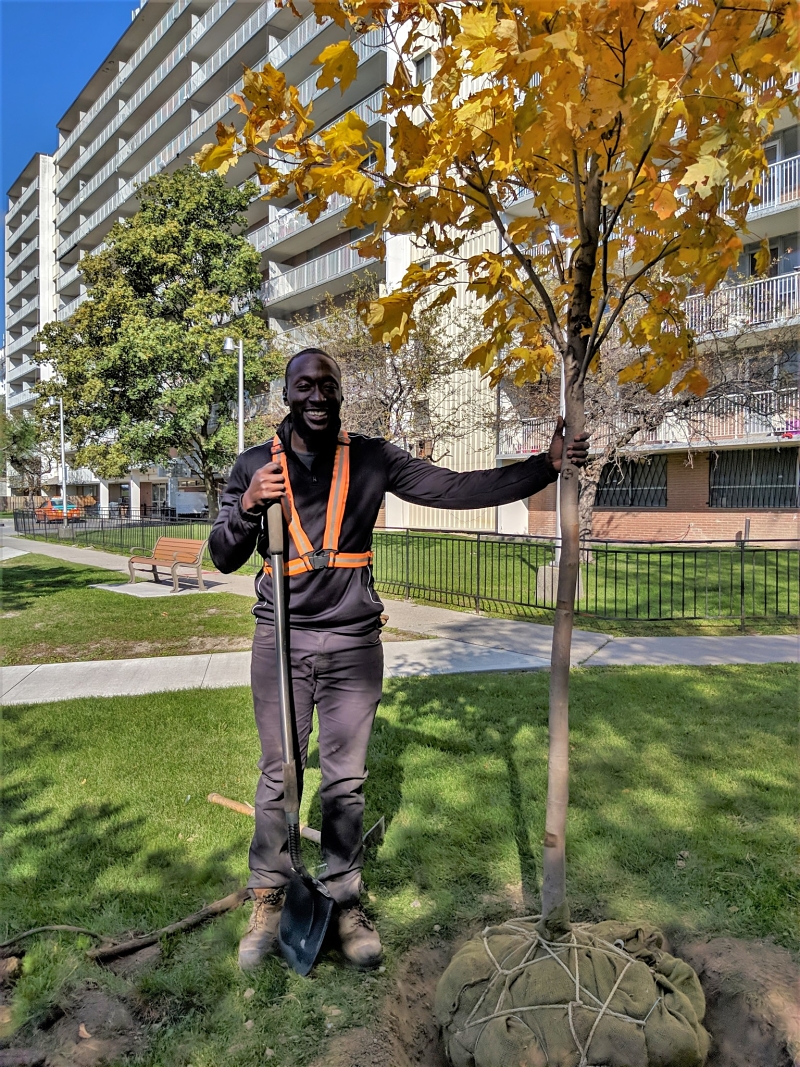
(754, 478)
(633, 484)
(423, 69)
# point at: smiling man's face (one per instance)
(314, 395)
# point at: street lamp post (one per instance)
(230, 346)
(63, 463)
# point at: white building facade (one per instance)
(156, 100)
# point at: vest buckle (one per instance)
(319, 559)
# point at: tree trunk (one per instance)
(212, 494)
(554, 885)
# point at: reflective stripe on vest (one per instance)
(308, 558)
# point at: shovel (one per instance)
(308, 905)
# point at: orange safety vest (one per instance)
(309, 558)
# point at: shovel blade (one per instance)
(305, 918)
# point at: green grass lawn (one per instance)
(624, 589)
(107, 826)
(51, 614)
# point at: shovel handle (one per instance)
(291, 792)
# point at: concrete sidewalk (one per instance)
(462, 642)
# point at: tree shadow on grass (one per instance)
(26, 581)
(664, 762)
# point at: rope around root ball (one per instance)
(554, 950)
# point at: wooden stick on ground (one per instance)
(124, 948)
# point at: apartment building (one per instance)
(156, 100)
(150, 106)
(688, 482)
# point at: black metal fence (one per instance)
(515, 574)
(707, 580)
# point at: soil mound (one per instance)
(752, 993)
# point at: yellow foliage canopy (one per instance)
(592, 143)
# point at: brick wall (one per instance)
(542, 512)
(686, 517)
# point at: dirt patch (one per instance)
(752, 993)
(94, 1028)
(406, 1033)
(390, 633)
(97, 1028)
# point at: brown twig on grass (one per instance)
(124, 948)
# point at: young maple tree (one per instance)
(609, 152)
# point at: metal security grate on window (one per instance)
(754, 478)
(633, 484)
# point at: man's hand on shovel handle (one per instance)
(266, 485)
(577, 453)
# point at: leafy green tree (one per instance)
(140, 364)
(21, 448)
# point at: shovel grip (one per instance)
(275, 528)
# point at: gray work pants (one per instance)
(343, 677)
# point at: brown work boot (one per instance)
(359, 938)
(261, 938)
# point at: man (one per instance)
(334, 486)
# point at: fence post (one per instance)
(743, 545)
(478, 575)
(408, 564)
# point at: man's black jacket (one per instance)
(337, 599)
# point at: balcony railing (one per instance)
(309, 275)
(22, 341)
(26, 396)
(24, 282)
(209, 118)
(768, 415)
(734, 308)
(308, 29)
(779, 188)
(14, 373)
(26, 223)
(17, 206)
(72, 275)
(292, 222)
(28, 308)
(177, 54)
(73, 305)
(22, 255)
(152, 39)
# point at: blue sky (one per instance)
(48, 51)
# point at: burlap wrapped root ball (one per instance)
(605, 995)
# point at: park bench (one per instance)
(172, 553)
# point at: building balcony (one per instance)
(21, 258)
(24, 370)
(221, 56)
(24, 227)
(23, 341)
(297, 287)
(760, 304)
(779, 189)
(16, 207)
(178, 144)
(175, 11)
(28, 281)
(761, 418)
(290, 223)
(69, 278)
(73, 305)
(29, 310)
(24, 396)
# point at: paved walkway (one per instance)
(461, 643)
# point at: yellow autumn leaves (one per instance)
(606, 155)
